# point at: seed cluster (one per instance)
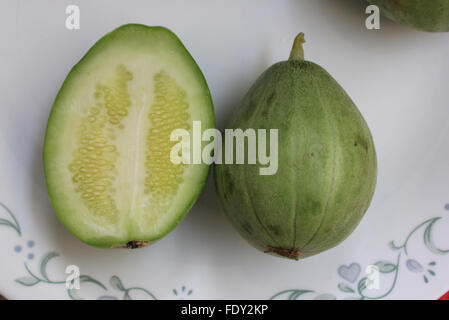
(116, 97)
(93, 162)
(168, 112)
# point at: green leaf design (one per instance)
(33, 279)
(14, 224)
(134, 289)
(31, 273)
(43, 266)
(116, 283)
(4, 222)
(393, 246)
(73, 293)
(296, 294)
(428, 241)
(385, 266)
(28, 281)
(292, 294)
(88, 279)
(362, 284)
(345, 288)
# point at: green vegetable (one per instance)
(327, 163)
(107, 147)
(426, 15)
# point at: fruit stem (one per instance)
(294, 254)
(297, 52)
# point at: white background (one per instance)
(398, 77)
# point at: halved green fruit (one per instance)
(107, 147)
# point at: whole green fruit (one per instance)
(327, 166)
(426, 15)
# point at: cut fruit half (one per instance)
(107, 147)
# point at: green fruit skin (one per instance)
(425, 15)
(327, 164)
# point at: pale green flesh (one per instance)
(327, 164)
(107, 147)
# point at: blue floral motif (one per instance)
(350, 273)
(33, 278)
(414, 266)
(183, 293)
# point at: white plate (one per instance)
(397, 77)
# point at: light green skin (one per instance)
(327, 163)
(141, 36)
(425, 15)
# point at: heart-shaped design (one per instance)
(350, 273)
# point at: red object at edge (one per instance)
(445, 297)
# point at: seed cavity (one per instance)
(116, 98)
(93, 162)
(168, 112)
